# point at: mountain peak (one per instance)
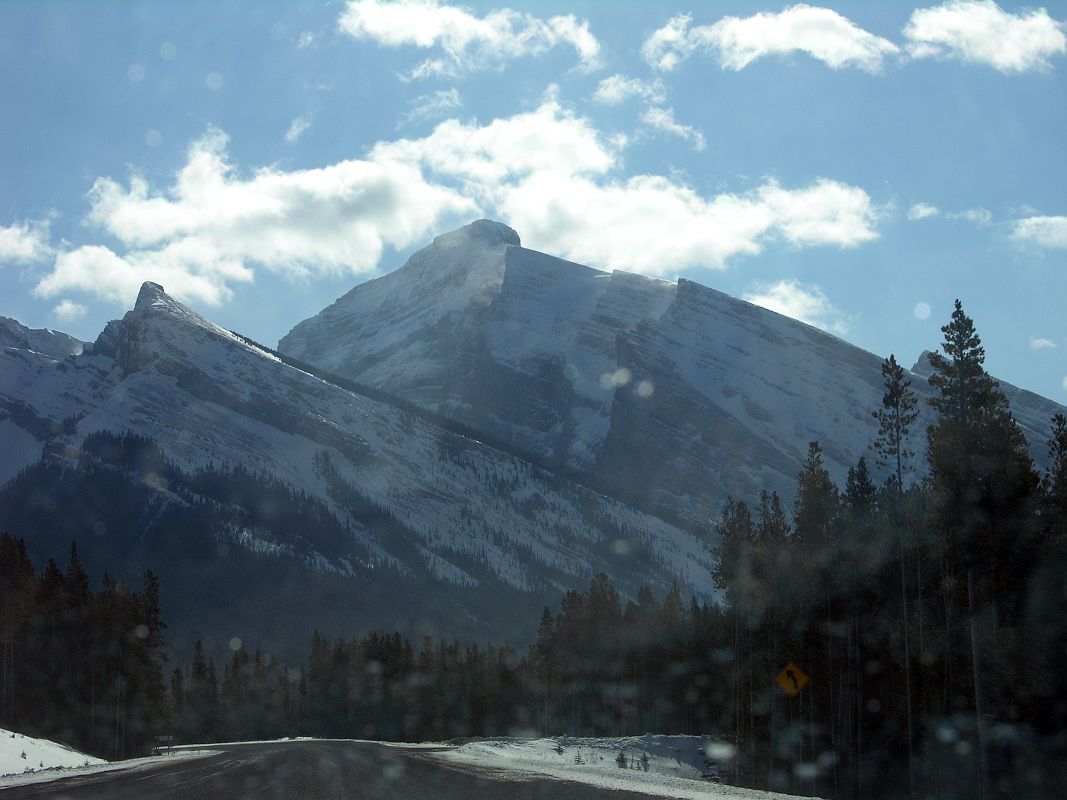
(486, 231)
(151, 294)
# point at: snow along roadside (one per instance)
(669, 770)
(60, 761)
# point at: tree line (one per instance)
(79, 666)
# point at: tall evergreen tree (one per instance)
(983, 485)
(895, 418)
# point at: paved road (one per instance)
(311, 770)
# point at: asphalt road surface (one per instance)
(312, 770)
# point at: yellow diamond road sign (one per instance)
(792, 679)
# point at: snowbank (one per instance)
(20, 753)
(48, 761)
(659, 766)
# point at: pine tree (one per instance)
(895, 418)
(1054, 484)
(815, 510)
(983, 485)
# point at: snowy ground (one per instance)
(666, 766)
(20, 753)
(48, 761)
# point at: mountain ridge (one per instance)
(581, 366)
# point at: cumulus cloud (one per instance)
(548, 172)
(1044, 231)
(922, 211)
(297, 128)
(431, 106)
(1041, 343)
(25, 242)
(467, 42)
(736, 42)
(68, 310)
(662, 119)
(979, 31)
(805, 302)
(617, 89)
(207, 230)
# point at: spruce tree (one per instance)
(983, 485)
(1054, 484)
(895, 418)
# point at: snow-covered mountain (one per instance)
(673, 396)
(452, 528)
(42, 340)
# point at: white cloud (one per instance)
(68, 310)
(25, 242)
(737, 42)
(548, 172)
(297, 128)
(805, 302)
(980, 31)
(979, 216)
(468, 42)
(1044, 231)
(662, 119)
(922, 211)
(431, 106)
(205, 231)
(617, 89)
(1041, 343)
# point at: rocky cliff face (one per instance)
(670, 395)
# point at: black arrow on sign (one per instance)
(793, 677)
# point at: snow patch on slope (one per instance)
(672, 766)
(20, 753)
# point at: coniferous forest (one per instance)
(897, 639)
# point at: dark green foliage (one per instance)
(81, 667)
(896, 416)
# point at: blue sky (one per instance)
(857, 165)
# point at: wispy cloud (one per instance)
(618, 89)
(979, 216)
(736, 42)
(297, 128)
(431, 106)
(466, 41)
(805, 302)
(979, 31)
(25, 242)
(1041, 343)
(922, 211)
(1043, 231)
(662, 119)
(68, 310)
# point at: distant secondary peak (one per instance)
(150, 294)
(923, 366)
(483, 230)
